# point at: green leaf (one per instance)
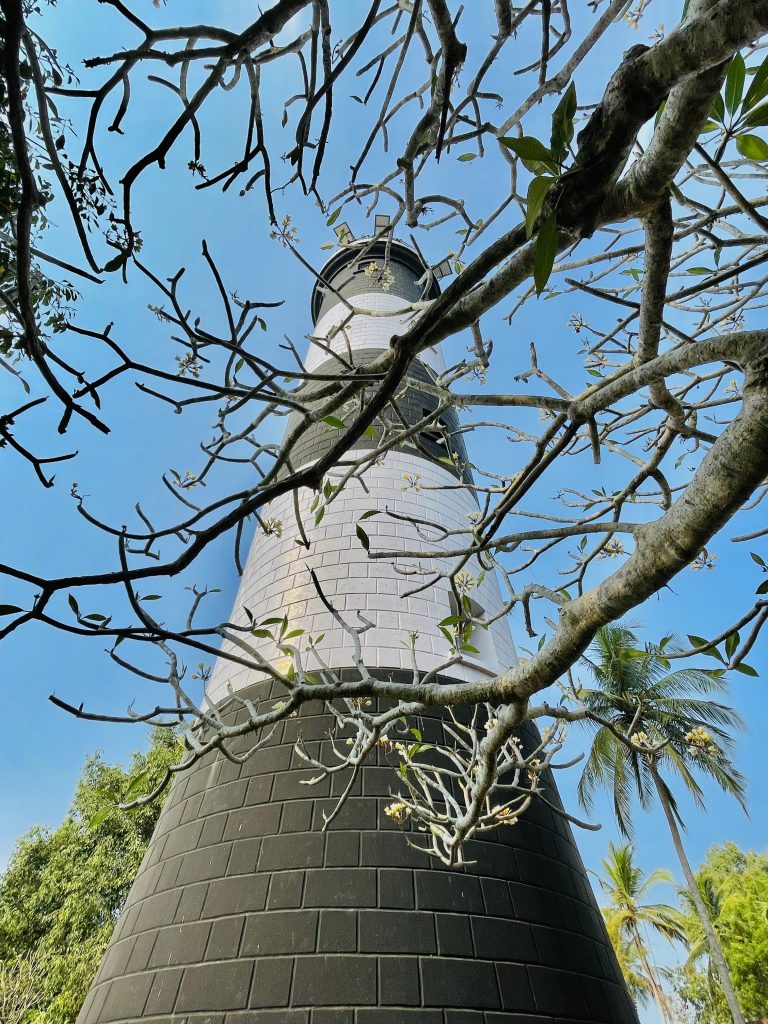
(334, 421)
(697, 641)
(546, 250)
(100, 816)
(452, 620)
(731, 643)
(533, 153)
(763, 588)
(9, 609)
(562, 124)
(136, 784)
(262, 634)
(117, 263)
(632, 653)
(465, 157)
(747, 670)
(151, 597)
(319, 515)
(734, 83)
(369, 432)
(73, 604)
(371, 512)
(712, 652)
(756, 558)
(758, 118)
(537, 193)
(758, 87)
(717, 113)
(470, 649)
(95, 617)
(752, 147)
(363, 537)
(293, 633)
(333, 218)
(700, 271)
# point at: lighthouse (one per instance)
(258, 902)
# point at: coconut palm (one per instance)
(627, 915)
(696, 937)
(648, 720)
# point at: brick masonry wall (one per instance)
(245, 912)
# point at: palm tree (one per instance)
(696, 937)
(646, 720)
(626, 914)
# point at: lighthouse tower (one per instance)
(245, 911)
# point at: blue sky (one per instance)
(44, 749)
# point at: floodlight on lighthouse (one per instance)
(344, 233)
(442, 269)
(381, 223)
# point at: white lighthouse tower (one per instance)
(246, 911)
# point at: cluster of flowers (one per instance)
(504, 816)
(699, 741)
(382, 275)
(273, 526)
(397, 811)
(464, 581)
(389, 745)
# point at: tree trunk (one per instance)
(658, 992)
(715, 949)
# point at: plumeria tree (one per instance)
(533, 168)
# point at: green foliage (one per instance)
(50, 297)
(636, 693)
(734, 885)
(64, 888)
(629, 917)
(735, 112)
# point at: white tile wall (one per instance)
(276, 580)
(366, 331)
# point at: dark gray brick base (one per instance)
(243, 912)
